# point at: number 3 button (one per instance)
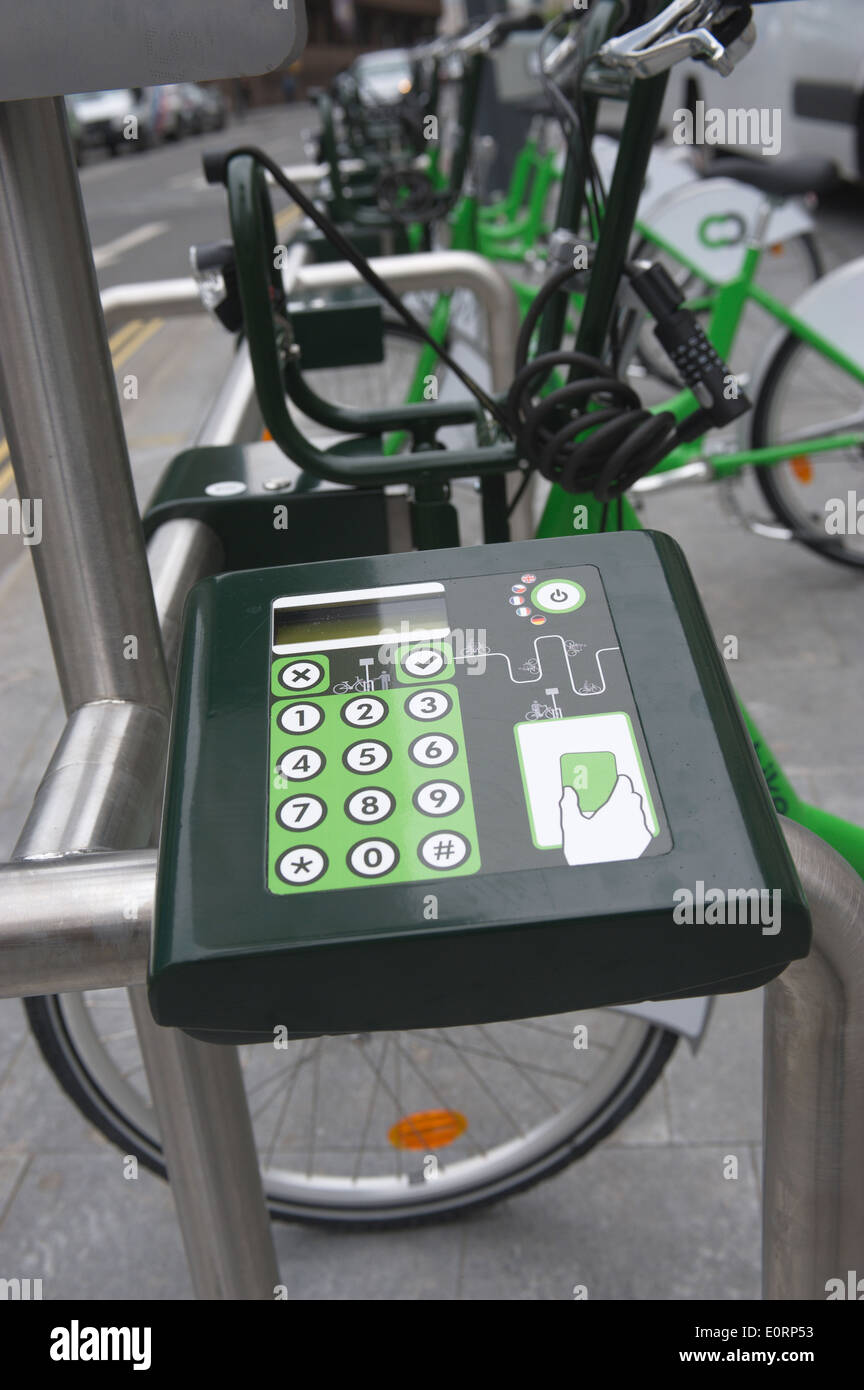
(433, 750)
(428, 704)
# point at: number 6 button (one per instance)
(433, 750)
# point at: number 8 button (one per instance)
(370, 804)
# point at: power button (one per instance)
(557, 596)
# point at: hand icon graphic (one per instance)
(617, 830)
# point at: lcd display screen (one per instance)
(362, 620)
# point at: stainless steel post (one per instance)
(62, 418)
(814, 1089)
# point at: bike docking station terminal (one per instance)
(405, 790)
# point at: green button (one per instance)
(557, 596)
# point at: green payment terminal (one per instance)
(456, 786)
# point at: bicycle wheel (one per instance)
(382, 1129)
(803, 393)
(785, 271)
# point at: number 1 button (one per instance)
(300, 718)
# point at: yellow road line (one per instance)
(144, 334)
(126, 341)
(123, 334)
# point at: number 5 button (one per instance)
(433, 750)
(428, 704)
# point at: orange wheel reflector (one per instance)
(778, 248)
(427, 1129)
(802, 468)
(265, 434)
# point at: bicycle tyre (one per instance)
(771, 480)
(655, 1045)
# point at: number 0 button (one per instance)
(373, 858)
(364, 712)
(444, 850)
(301, 675)
(301, 763)
(433, 750)
(428, 704)
(300, 718)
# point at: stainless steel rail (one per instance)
(441, 270)
(814, 1089)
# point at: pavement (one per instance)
(649, 1214)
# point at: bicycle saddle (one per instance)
(784, 178)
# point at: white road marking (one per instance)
(194, 180)
(113, 250)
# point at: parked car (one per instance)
(384, 77)
(215, 109)
(170, 117)
(807, 64)
(113, 119)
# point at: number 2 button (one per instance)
(363, 712)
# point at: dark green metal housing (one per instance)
(233, 961)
